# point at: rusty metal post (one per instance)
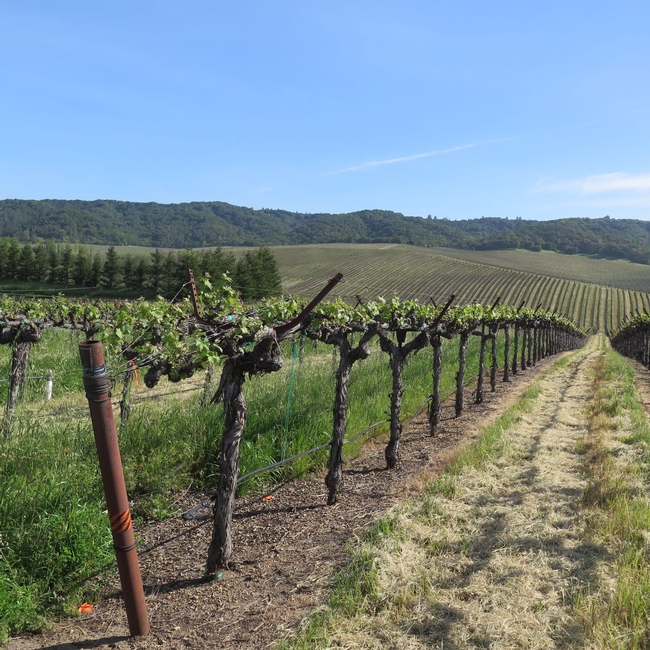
(96, 383)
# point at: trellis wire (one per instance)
(191, 514)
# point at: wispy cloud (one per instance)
(607, 119)
(598, 184)
(417, 156)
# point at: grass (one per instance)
(617, 462)
(57, 352)
(53, 525)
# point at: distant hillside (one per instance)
(192, 225)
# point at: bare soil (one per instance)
(286, 548)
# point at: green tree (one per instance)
(128, 269)
(13, 255)
(256, 275)
(53, 262)
(26, 263)
(141, 275)
(215, 263)
(81, 271)
(41, 265)
(156, 271)
(170, 284)
(4, 251)
(111, 268)
(187, 259)
(96, 270)
(66, 266)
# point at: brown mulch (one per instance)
(286, 549)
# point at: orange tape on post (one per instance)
(121, 522)
(135, 373)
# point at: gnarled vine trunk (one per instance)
(398, 354)
(506, 354)
(494, 366)
(22, 338)
(515, 351)
(435, 412)
(524, 342)
(125, 402)
(265, 357)
(348, 356)
(481, 369)
(19, 361)
(460, 375)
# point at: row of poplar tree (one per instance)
(255, 274)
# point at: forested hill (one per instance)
(192, 225)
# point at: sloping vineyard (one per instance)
(413, 273)
(619, 274)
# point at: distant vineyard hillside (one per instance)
(611, 273)
(413, 272)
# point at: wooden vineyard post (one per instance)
(515, 351)
(529, 338)
(96, 382)
(49, 384)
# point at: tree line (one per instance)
(214, 223)
(255, 275)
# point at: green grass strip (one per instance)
(618, 495)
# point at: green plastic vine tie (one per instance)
(288, 410)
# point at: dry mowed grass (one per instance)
(536, 537)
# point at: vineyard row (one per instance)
(176, 339)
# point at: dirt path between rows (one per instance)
(286, 549)
(504, 553)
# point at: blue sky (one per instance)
(455, 109)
